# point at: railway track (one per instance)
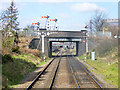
(74, 76)
(41, 73)
(61, 68)
(64, 77)
(53, 79)
(88, 74)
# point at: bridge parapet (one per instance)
(67, 34)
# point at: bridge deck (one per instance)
(66, 34)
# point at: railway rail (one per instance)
(82, 78)
(76, 81)
(41, 73)
(50, 87)
(86, 71)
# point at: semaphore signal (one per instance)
(45, 16)
(56, 27)
(47, 25)
(34, 23)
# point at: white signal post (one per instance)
(43, 36)
(47, 27)
(86, 42)
(43, 48)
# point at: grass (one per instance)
(41, 63)
(53, 53)
(109, 71)
(19, 68)
(82, 57)
(16, 70)
(29, 58)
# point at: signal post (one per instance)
(43, 32)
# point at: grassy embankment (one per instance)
(15, 66)
(106, 62)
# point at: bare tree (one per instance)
(114, 29)
(96, 23)
(29, 30)
(26, 30)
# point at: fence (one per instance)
(101, 34)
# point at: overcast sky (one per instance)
(71, 14)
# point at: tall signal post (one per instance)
(91, 26)
(43, 32)
(86, 41)
(43, 36)
(38, 28)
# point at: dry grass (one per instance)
(23, 62)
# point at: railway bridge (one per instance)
(78, 37)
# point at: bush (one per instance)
(5, 82)
(38, 54)
(6, 58)
(7, 44)
(34, 52)
(106, 47)
(16, 49)
(17, 70)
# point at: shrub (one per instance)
(6, 58)
(16, 49)
(5, 82)
(7, 44)
(34, 52)
(106, 47)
